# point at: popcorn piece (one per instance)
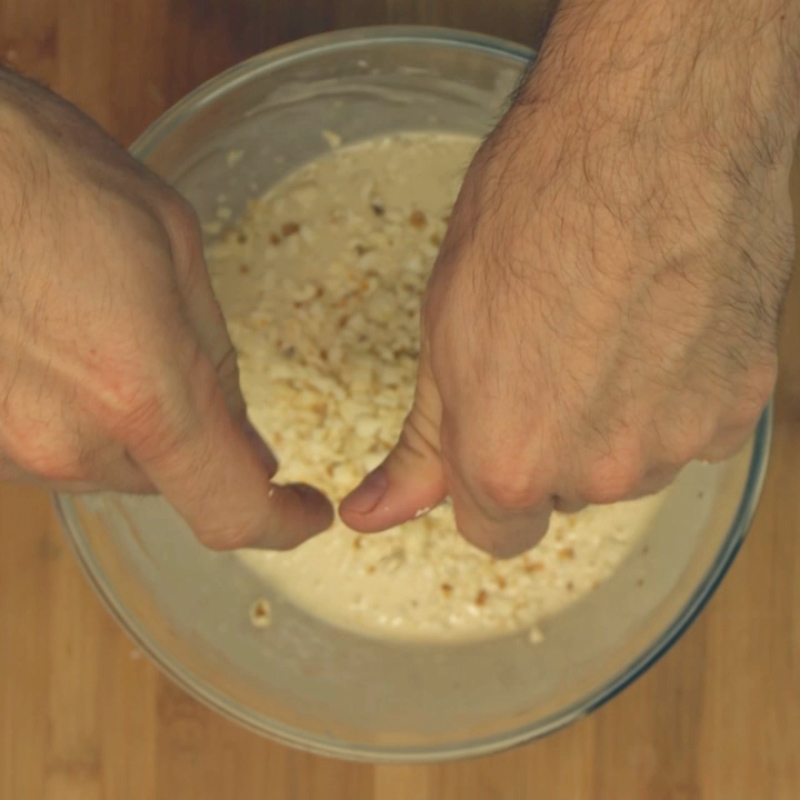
(261, 613)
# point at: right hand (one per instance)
(604, 307)
(116, 369)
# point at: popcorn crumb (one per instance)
(333, 139)
(212, 228)
(261, 613)
(233, 157)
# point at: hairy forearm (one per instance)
(722, 72)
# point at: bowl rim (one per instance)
(296, 737)
(331, 41)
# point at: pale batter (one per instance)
(321, 284)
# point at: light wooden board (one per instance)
(84, 716)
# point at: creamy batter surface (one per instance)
(321, 283)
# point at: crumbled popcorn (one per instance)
(261, 613)
(332, 138)
(233, 157)
(535, 635)
(321, 283)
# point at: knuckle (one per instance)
(56, 460)
(128, 407)
(684, 440)
(151, 410)
(612, 478)
(508, 486)
(682, 449)
(148, 421)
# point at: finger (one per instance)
(215, 341)
(567, 504)
(411, 480)
(726, 445)
(206, 319)
(502, 501)
(503, 533)
(201, 307)
(205, 465)
(654, 481)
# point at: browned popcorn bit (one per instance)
(447, 589)
(418, 219)
(243, 269)
(481, 597)
(261, 613)
(289, 229)
(567, 553)
(378, 209)
(275, 239)
(533, 566)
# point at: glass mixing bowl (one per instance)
(303, 681)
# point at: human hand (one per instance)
(605, 304)
(116, 370)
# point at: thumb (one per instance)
(411, 480)
(210, 470)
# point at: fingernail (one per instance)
(265, 455)
(367, 496)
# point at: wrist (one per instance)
(724, 76)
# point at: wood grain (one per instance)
(83, 715)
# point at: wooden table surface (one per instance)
(83, 715)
